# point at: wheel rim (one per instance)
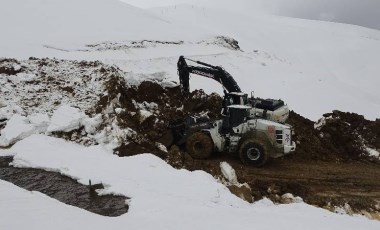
(253, 154)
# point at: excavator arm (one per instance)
(206, 70)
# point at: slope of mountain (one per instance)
(316, 66)
(28, 25)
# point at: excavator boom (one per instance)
(216, 73)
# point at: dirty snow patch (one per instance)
(322, 122)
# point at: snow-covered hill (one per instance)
(29, 25)
(314, 66)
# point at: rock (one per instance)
(275, 198)
(175, 157)
(242, 191)
(367, 214)
(288, 198)
(2, 104)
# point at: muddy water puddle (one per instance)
(63, 189)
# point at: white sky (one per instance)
(359, 12)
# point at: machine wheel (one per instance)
(199, 145)
(253, 152)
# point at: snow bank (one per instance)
(22, 209)
(66, 119)
(161, 196)
(20, 127)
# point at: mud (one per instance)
(63, 189)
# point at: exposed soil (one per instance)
(321, 183)
(63, 189)
(171, 105)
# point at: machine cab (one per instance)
(235, 98)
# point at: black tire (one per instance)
(199, 145)
(253, 153)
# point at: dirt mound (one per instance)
(151, 107)
(336, 136)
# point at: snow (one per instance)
(7, 112)
(321, 122)
(66, 119)
(19, 127)
(161, 196)
(112, 136)
(51, 87)
(161, 147)
(21, 209)
(69, 24)
(313, 66)
(91, 124)
(146, 109)
(373, 152)
(119, 110)
(229, 172)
